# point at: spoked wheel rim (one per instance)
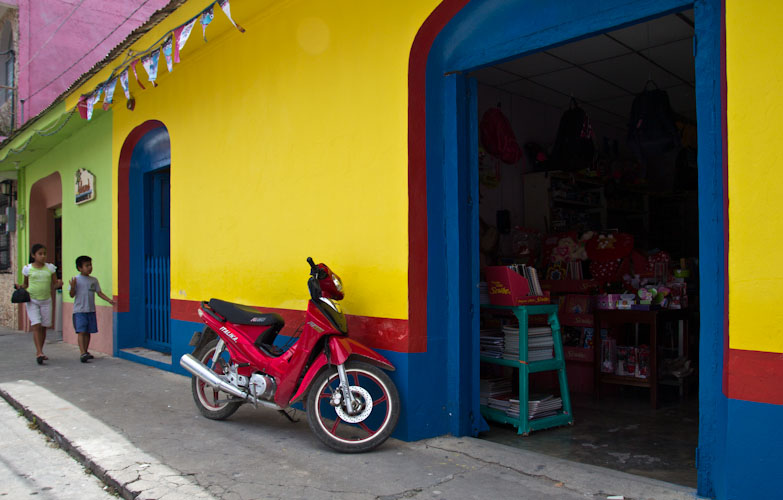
(209, 397)
(370, 419)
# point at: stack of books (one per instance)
(494, 388)
(540, 406)
(531, 275)
(502, 402)
(539, 343)
(511, 342)
(484, 293)
(491, 342)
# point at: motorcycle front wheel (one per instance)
(373, 420)
(213, 404)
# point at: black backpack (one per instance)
(652, 129)
(574, 148)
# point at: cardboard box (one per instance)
(507, 288)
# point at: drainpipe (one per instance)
(12, 88)
(21, 222)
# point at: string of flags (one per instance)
(172, 43)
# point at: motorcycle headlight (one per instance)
(338, 284)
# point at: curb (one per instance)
(66, 445)
(108, 455)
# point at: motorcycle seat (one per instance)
(245, 315)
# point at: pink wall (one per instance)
(99, 342)
(59, 40)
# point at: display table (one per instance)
(605, 318)
(523, 424)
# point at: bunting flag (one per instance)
(82, 106)
(136, 75)
(166, 49)
(92, 100)
(174, 42)
(109, 95)
(124, 83)
(206, 17)
(150, 64)
(182, 34)
(227, 9)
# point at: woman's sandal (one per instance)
(40, 359)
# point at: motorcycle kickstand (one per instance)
(289, 417)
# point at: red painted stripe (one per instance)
(755, 376)
(377, 333)
(417, 170)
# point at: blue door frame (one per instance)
(148, 189)
(487, 33)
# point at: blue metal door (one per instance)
(157, 283)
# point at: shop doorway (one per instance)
(474, 37)
(564, 209)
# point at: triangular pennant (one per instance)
(166, 49)
(206, 17)
(227, 9)
(150, 64)
(82, 106)
(181, 35)
(109, 96)
(136, 75)
(91, 101)
(124, 83)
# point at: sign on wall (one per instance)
(84, 186)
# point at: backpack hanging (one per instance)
(574, 148)
(497, 136)
(652, 129)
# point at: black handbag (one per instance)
(20, 295)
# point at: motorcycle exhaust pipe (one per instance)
(200, 370)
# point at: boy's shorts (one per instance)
(39, 311)
(85, 322)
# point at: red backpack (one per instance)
(497, 137)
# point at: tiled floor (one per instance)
(622, 433)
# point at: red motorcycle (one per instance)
(352, 405)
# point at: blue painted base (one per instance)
(753, 450)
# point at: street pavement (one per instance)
(137, 429)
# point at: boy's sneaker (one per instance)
(84, 358)
(90, 356)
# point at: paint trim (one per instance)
(378, 333)
(123, 212)
(753, 376)
(417, 170)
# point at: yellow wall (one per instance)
(287, 141)
(754, 67)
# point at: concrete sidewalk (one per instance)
(137, 428)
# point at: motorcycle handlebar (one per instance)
(315, 271)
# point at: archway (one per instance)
(461, 36)
(46, 196)
(143, 246)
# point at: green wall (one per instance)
(86, 228)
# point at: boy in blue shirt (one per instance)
(83, 289)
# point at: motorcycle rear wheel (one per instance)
(376, 419)
(210, 402)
